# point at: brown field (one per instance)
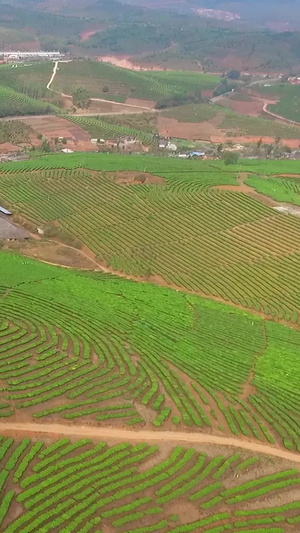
(85, 35)
(209, 131)
(252, 108)
(170, 127)
(6, 148)
(127, 62)
(51, 127)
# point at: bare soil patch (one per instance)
(126, 62)
(252, 108)
(6, 148)
(170, 127)
(141, 103)
(136, 178)
(9, 230)
(52, 127)
(85, 35)
(245, 139)
(51, 252)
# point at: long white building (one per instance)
(18, 54)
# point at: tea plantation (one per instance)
(80, 487)
(91, 346)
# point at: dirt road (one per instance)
(173, 437)
(279, 117)
(53, 75)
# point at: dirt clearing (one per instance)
(127, 62)
(9, 230)
(136, 178)
(52, 127)
(252, 107)
(150, 104)
(170, 127)
(51, 252)
(86, 35)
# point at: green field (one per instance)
(94, 347)
(81, 487)
(135, 230)
(29, 79)
(226, 244)
(281, 189)
(245, 125)
(123, 83)
(13, 103)
(111, 129)
(192, 112)
(289, 100)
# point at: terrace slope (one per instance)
(93, 348)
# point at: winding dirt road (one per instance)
(279, 117)
(173, 437)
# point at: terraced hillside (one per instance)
(83, 487)
(102, 128)
(87, 352)
(120, 83)
(13, 103)
(226, 244)
(28, 79)
(232, 124)
(98, 349)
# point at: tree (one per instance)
(230, 158)
(234, 74)
(64, 140)
(39, 136)
(259, 142)
(46, 146)
(105, 89)
(81, 97)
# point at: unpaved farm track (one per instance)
(172, 437)
(280, 117)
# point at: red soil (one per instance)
(85, 35)
(253, 108)
(126, 62)
(52, 127)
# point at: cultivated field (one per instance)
(152, 358)
(120, 83)
(288, 97)
(153, 405)
(82, 486)
(13, 103)
(136, 231)
(53, 127)
(214, 123)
